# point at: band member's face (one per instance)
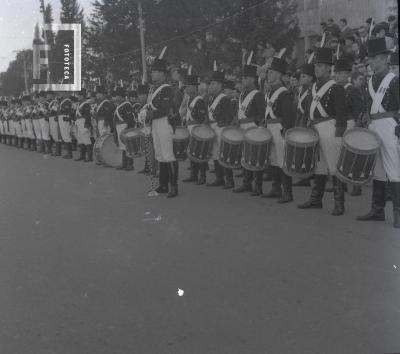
(229, 92)
(322, 70)
(378, 62)
(394, 69)
(305, 79)
(247, 82)
(273, 76)
(359, 81)
(99, 96)
(191, 90)
(157, 75)
(342, 77)
(214, 87)
(142, 98)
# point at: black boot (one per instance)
(68, 155)
(82, 153)
(287, 195)
(276, 190)
(21, 142)
(229, 182)
(173, 178)
(129, 164)
(246, 183)
(219, 175)
(202, 170)
(123, 163)
(74, 145)
(54, 152)
(377, 211)
(58, 149)
(338, 194)
(28, 144)
(258, 181)
(194, 172)
(356, 191)
(396, 203)
(163, 178)
(317, 193)
(303, 183)
(89, 153)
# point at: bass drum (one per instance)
(106, 151)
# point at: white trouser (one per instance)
(29, 129)
(1, 128)
(37, 129)
(45, 128)
(102, 129)
(163, 140)
(277, 152)
(54, 129)
(65, 129)
(11, 127)
(388, 161)
(120, 128)
(83, 133)
(23, 128)
(18, 129)
(329, 148)
(350, 124)
(217, 140)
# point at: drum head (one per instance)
(302, 136)
(233, 134)
(258, 134)
(203, 132)
(130, 132)
(362, 139)
(181, 133)
(109, 151)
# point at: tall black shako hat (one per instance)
(308, 69)
(191, 79)
(143, 89)
(394, 58)
(344, 64)
(278, 64)
(119, 91)
(249, 70)
(160, 64)
(377, 46)
(324, 56)
(216, 75)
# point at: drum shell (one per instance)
(200, 149)
(255, 155)
(180, 144)
(230, 155)
(132, 143)
(356, 166)
(110, 157)
(300, 158)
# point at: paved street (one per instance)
(90, 265)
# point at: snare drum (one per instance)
(230, 153)
(180, 143)
(201, 143)
(301, 152)
(358, 153)
(130, 137)
(256, 148)
(106, 151)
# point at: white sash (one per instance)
(154, 95)
(347, 85)
(190, 108)
(53, 105)
(245, 103)
(271, 101)
(214, 105)
(100, 105)
(377, 97)
(117, 111)
(78, 110)
(317, 98)
(301, 99)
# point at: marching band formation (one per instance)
(331, 130)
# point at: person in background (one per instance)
(394, 63)
(333, 28)
(345, 30)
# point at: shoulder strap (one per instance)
(317, 98)
(377, 97)
(155, 93)
(214, 105)
(271, 100)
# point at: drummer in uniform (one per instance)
(220, 115)
(394, 63)
(29, 134)
(64, 120)
(280, 115)
(53, 121)
(143, 93)
(83, 123)
(328, 117)
(36, 123)
(18, 117)
(307, 78)
(43, 111)
(383, 108)
(251, 109)
(159, 110)
(104, 111)
(196, 113)
(123, 119)
(354, 100)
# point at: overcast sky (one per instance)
(17, 22)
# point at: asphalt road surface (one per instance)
(90, 264)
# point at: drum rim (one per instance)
(313, 131)
(197, 126)
(236, 142)
(105, 137)
(358, 151)
(247, 139)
